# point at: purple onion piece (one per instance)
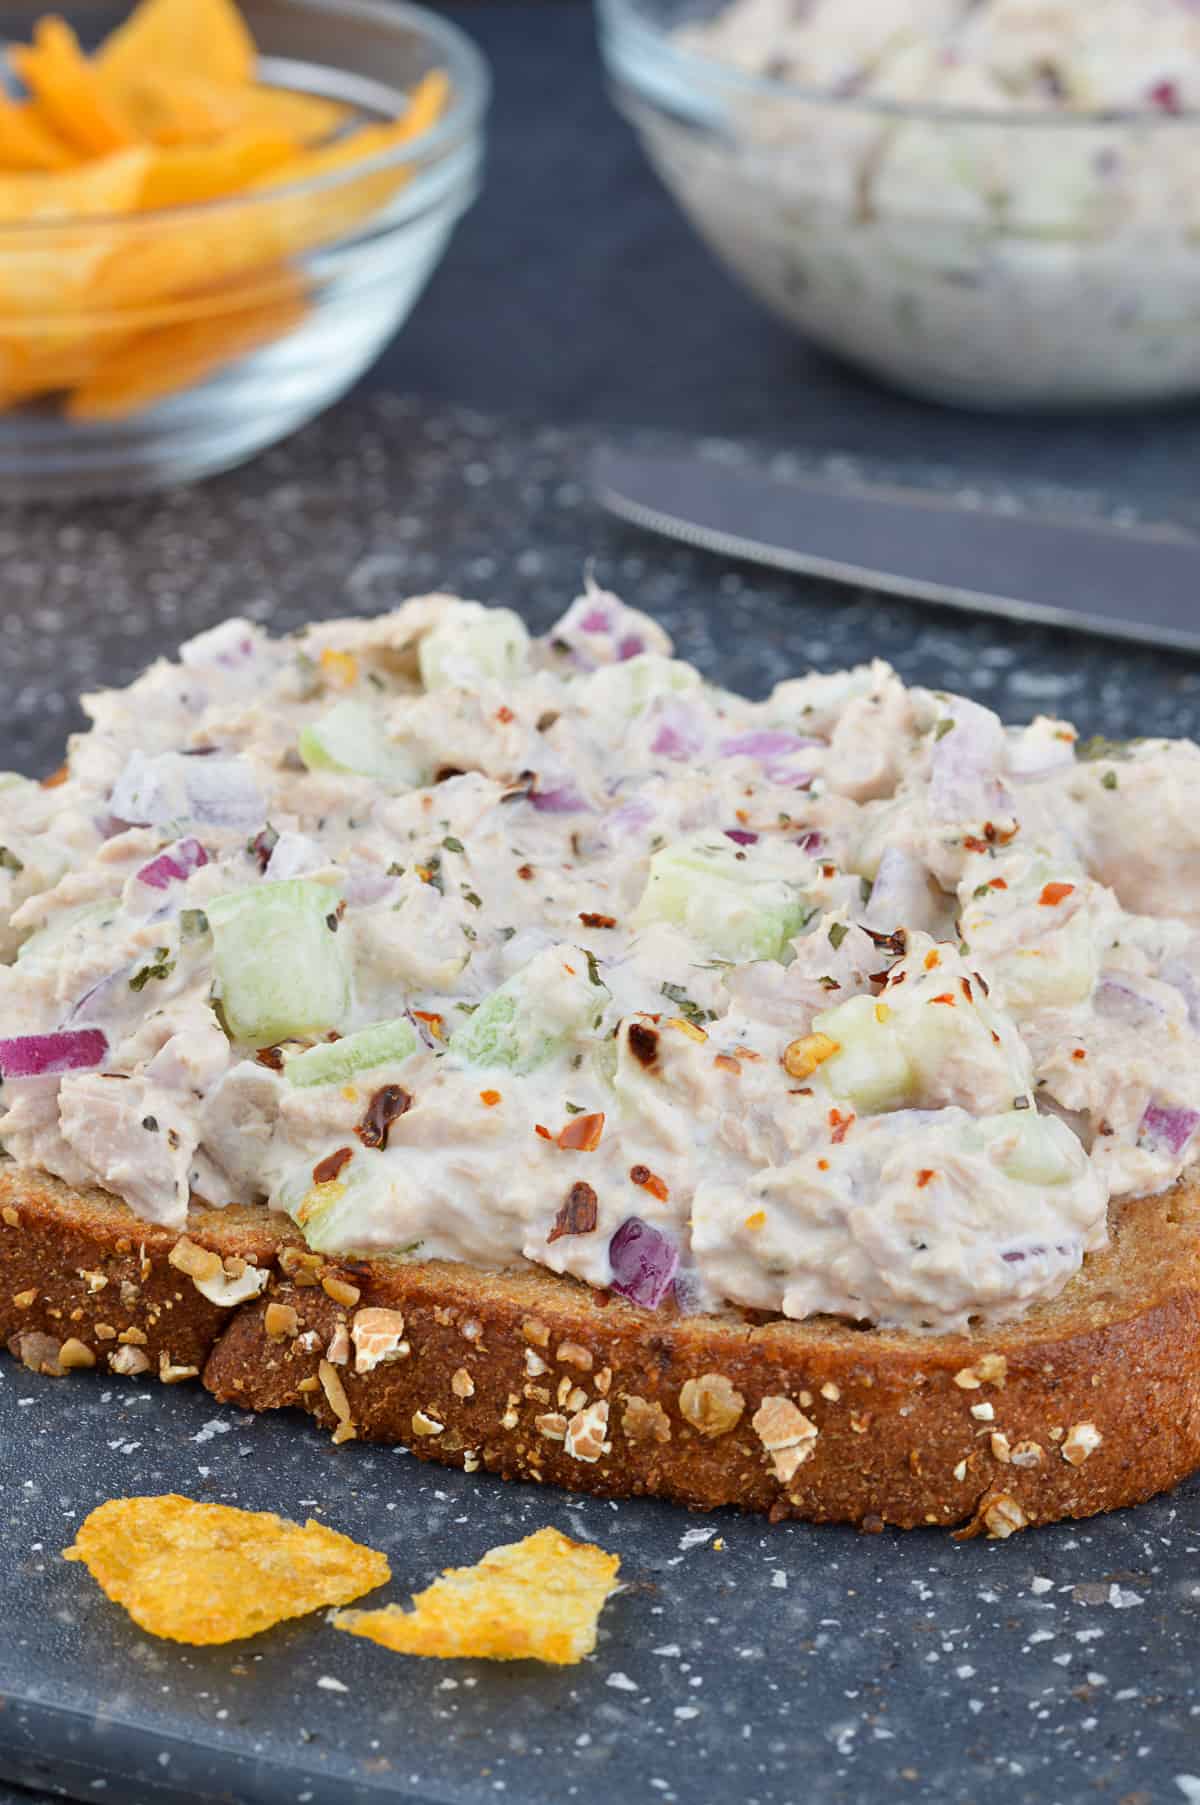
(631, 817)
(595, 621)
(679, 730)
(564, 801)
(1120, 1002)
(763, 743)
(740, 836)
(173, 865)
(631, 646)
(964, 763)
(810, 842)
(41, 1055)
(643, 1263)
(1165, 1125)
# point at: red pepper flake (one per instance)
(742, 814)
(726, 1063)
(945, 997)
(829, 871)
(643, 1043)
(56, 778)
(932, 958)
(505, 714)
(577, 1215)
(924, 1176)
(998, 836)
(1053, 894)
(326, 1170)
(964, 985)
(271, 1057)
(387, 1106)
(489, 1098)
(999, 883)
(591, 920)
(437, 1026)
(1079, 1053)
(649, 1181)
(525, 872)
(840, 1124)
(582, 1133)
(822, 1165)
(973, 843)
(544, 1132)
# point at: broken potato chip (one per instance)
(169, 113)
(205, 1573)
(535, 1600)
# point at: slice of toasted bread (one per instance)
(1086, 1403)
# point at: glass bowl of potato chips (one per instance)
(212, 220)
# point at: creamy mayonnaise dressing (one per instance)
(456, 944)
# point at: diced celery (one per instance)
(740, 902)
(351, 737)
(1041, 1151)
(282, 968)
(363, 1210)
(334, 1062)
(871, 1068)
(474, 645)
(535, 1014)
(625, 689)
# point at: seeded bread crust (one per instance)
(1085, 1404)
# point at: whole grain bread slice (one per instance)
(1084, 1404)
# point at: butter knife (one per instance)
(1137, 582)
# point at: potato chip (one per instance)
(26, 143)
(185, 174)
(203, 1573)
(172, 108)
(152, 365)
(71, 97)
(267, 229)
(56, 269)
(539, 1599)
(192, 37)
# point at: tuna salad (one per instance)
(991, 200)
(454, 944)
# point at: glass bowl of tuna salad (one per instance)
(985, 202)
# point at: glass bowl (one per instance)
(1006, 260)
(139, 350)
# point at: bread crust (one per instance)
(1083, 1404)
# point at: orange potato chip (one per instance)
(152, 365)
(269, 228)
(184, 174)
(25, 143)
(173, 108)
(539, 1599)
(55, 269)
(203, 1573)
(71, 97)
(191, 37)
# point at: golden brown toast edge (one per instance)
(1084, 1404)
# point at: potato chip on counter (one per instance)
(109, 306)
(206, 1573)
(539, 1599)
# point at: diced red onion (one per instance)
(173, 865)
(810, 842)
(763, 743)
(41, 1055)
(1120, 1002)
(365, 884)
(1166, 97)
(564, 801)
(595, 620)
(643, 1262)
(1180, 976)
(632, 645)
(900, 896)
(631, 817)
(169, 786)
(963, 785)
(1165, 1125)
(678, 730)
(109, 826)
(740, 836)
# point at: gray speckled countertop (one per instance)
(783, 1666)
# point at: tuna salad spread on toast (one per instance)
(454, 944)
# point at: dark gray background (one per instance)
(1054, 1668)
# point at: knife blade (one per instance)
(1137, 582)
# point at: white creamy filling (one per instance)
(457, 945)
